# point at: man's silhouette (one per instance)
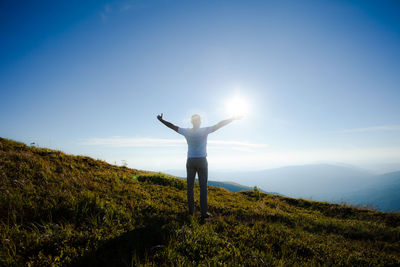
(196, 139)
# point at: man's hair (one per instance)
(196, 117)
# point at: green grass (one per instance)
(62, 210)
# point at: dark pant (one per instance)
(199, 165)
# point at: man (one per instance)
(196, 139)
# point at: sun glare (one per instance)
(237, 106)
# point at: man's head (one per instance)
(196, 120)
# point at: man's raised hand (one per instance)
(167, 123)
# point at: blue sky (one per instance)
(322, 79)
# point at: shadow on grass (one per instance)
(134, 247)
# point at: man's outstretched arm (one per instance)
(166, 123)
(225, 122)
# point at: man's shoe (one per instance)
(207, 215)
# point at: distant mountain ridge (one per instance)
(231, 186)
(383, 195)
(323, 182)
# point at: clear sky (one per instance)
(321, 78)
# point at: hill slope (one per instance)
(74, 210)
(324, 182)
(316, 181)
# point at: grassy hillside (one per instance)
(58, 209)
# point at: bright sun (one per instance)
(237, 106)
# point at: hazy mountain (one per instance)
(384, 194)
(308, 181)
(324, 182)
(235, 187)
(317, 181)
(231, 186)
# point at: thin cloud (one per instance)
(372, 129)
(126, 7)
(111, 9)
(105, 12)
(237, 143)
(107, 8)
(118, 141)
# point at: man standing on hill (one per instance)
(196, 139)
